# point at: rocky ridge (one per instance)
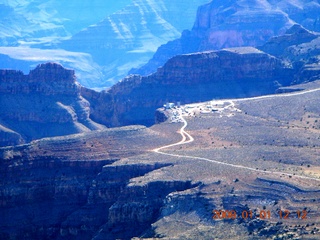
(104, 39)
(301, 49)
(294, 36)
(227, 73)
(222, 24)
(74, 175)
(60, 188)
(129, 37)
(32, 23)
(46, 102)
(119, 45)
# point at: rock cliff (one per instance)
(235, 23)
(46, 102)
(35, 23)
(229, 73)
(109, 185)
(299, 48)
(67, 187)
(128, 38)
(294, 36)
(66, 199)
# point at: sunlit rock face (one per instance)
(31, 21)
(230, 73)
(46, 102)
(28, 29)
(107, 40)
(236, 23)
(115, 36)
(129, 37)
(301, 48)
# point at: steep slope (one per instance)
(309, 57)
(42, 21)
(228, 73)
(129, 37)
(59, 172)
(236, 23)
(299, 48)
(29, 28)
(255, 157)
(236, 72)
(26, 58)
(115, 36)
(294, 36)
(11, 25)
(47, 102)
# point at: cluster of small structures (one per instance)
(176, 111)
(222, 107)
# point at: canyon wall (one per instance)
(49, 101)
(46, 102)
(224, 24)
(48, 196)
(230, 73)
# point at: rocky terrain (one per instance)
(300, 48)
(191, 78)
(45, 103)
(101, 40)
(253, 155)
(129, 37)
(224, 24)
(288, 59)
(102, 47)
(49, 102)
(65, 175)
(233, 72)
(33, 22)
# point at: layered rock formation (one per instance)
(67, 199)
(129, 37)
(108, 38)
(67, 187)
(104, 52)
(237, 72)
(221, 24)
(294, 36)
(299, 48)
(109, 185)
(35, 23)
(228, 73)
(47, 102)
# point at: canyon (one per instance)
(285, 60)
(225, 24)
(110, 184)
(190, 78)
(44, 103)
(242, 137)
(50, 96)
(139, 36)
(102, 41)
(32, 22)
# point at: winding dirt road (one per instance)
(187, 138)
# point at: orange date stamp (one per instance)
(262, 214)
